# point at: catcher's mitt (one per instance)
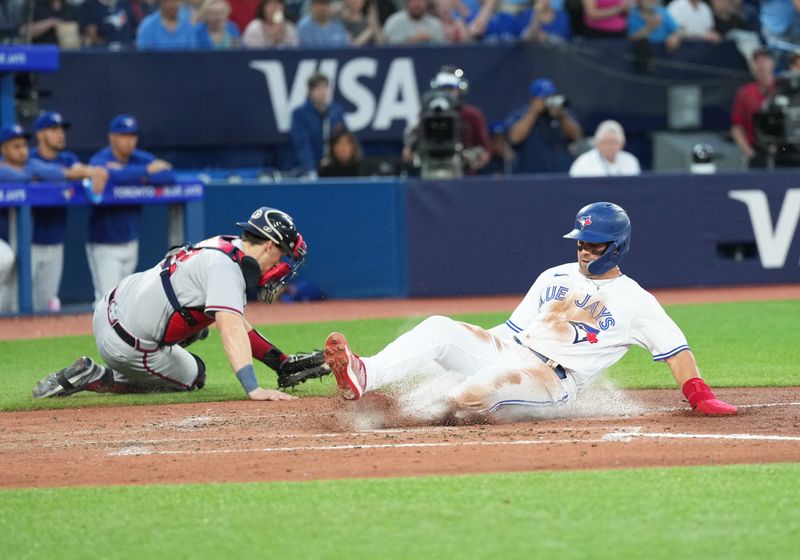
(300, 367)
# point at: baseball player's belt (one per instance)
(557, 368)
(124, 335)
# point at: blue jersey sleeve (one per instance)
(43, 171)
(10, 174)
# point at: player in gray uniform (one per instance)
(143, 325)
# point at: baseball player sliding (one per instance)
(575, 322)
(143, 325)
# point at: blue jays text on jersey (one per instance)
(593, 307)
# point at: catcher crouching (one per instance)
(143, 326)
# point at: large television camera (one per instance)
(439, 132)
(778, 122)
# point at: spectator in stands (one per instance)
(749, 100)
(731, 24)
(243, 12)
(362, 23)
(607, 158)
(414, 25)
(270, 28)
(452, 21)
(321, 28)
(506, 21)
(313, 123)
(780, 22)
(13, 13)
(501, 161)
(112, 24)
(650, 22)
(794, 63)
(727, 16)
(113, 241)
(542, 131)
(170, 27)
(49, 223)
(547, 25)
(215, 30)
(54, 22)
(605, 18)
(344, 156)
(695, 19)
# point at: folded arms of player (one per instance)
(233, 332)
(696, 391)
(97, 174)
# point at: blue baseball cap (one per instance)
(124, 124)
(50, 119)
(10, 132)
(498, 127)
(542, 87)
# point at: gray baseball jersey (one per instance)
(208, 280)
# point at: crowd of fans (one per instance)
(223, 24)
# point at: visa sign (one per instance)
(773, 241)
(377, 103)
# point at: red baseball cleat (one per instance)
(349, 370)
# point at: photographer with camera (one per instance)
(762, 122)
(451, 138)
(542, 131)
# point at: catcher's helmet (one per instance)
(603, 222)
(278, 227)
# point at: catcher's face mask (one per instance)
(274, 279)
(278, 227)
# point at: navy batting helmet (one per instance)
(603, 222)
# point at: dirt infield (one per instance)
(326, 438)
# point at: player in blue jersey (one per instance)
(113, 245)
(44, 164)
(47, 252)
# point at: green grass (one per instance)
(737, 345)
(704, 512)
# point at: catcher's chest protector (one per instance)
(186, 322)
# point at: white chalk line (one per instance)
(678, 408)
(622, 434)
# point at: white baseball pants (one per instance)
(47, 267)
(493, 372)
(7, 279)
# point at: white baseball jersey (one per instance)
(209, 280)
(587, 325)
